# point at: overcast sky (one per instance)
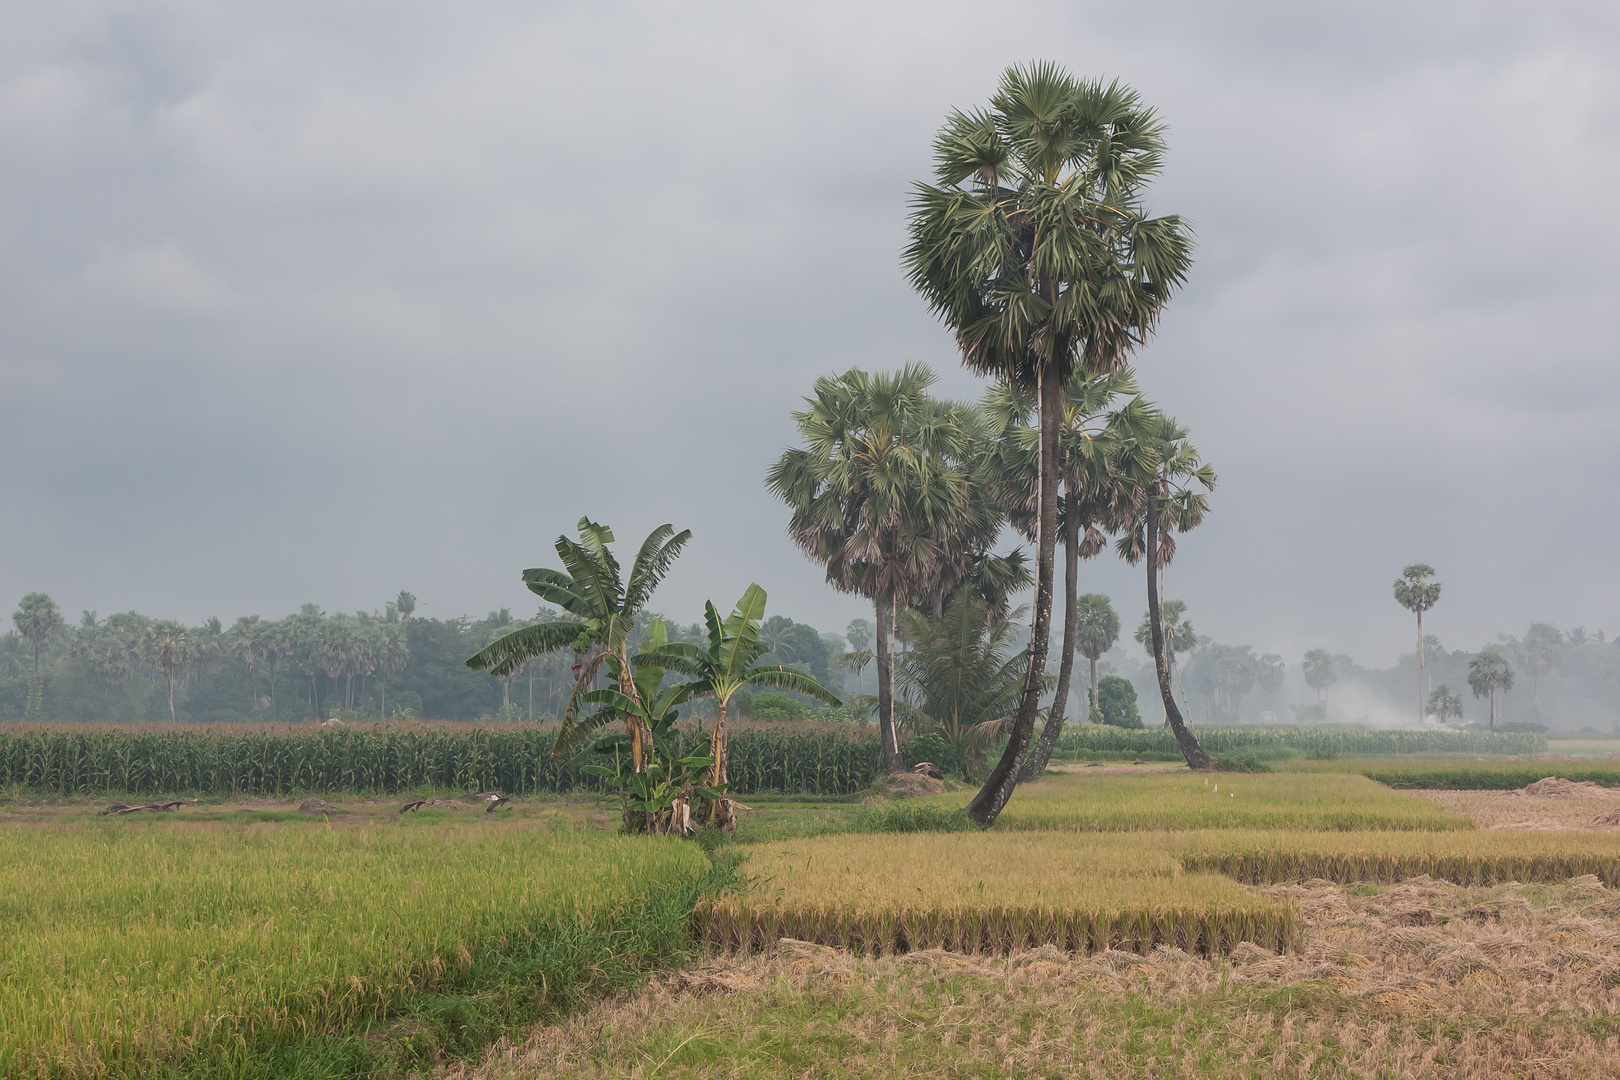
(321, 301)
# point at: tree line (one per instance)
(387, 663)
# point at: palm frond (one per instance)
(506, 653)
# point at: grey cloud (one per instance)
(320, 302)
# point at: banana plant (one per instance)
(725, 667)
(601, 604)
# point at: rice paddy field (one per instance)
(135, 947)
(1109, 800)
(1117, 921)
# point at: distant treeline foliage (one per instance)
(1266, 741)
(516, 760)
(314, 664)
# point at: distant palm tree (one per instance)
(1415, 592)
(1270, 670)
(1178, 633)
(246, 642)
(1097, 628)
(1319, 671)
(168, 648)
(1488, 673)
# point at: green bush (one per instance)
(775, 706)
(1116, 701)
(931, 746)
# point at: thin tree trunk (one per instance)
(1093, 703)
(531, 691)
(1185, 739)
(1420, 665)
(170, 680)
(1036, 762)
(382, 709)
(998, 787)
(892, 762)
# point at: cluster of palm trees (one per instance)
(350, 648)
(1033, 246)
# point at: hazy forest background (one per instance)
(314, 664)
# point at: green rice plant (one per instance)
(131, 948)
(1277, 741)
(986, 893)
(1481, 857)
(1097, 800)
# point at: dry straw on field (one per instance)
(985, 894)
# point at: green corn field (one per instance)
(387, 760)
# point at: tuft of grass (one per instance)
(1240, 763)
(911, 816)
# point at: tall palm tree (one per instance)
(1415, 592)
(1488, 673)
(725, 666)
(603, 603)
(168, 648)
(881, 493)
(961, 677)
(246, 642)
(37, 618)
(392, 654)
(1165, 473)
(1093, 497)
(1270, 670)
(1033, 247)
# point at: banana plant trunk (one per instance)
(998, 787)
(1185, 739)
(720, 812)
(1035, 763)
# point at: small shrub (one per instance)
(1116, 701)
(931, 746)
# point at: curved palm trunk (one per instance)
(998, 787)
(1036, 762)
(892, 762)
(1185, 739)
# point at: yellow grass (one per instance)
(1098, 800)
(985, 893)
(130, 942)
